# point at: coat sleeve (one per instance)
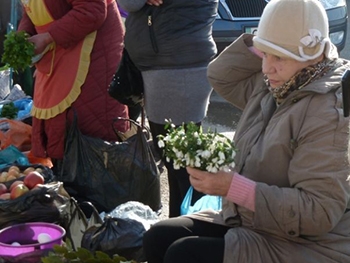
(236, 72)
(84, 17)
(319, 190)
(26, 24)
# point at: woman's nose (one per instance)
(267, 66)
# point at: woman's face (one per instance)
(279, 70)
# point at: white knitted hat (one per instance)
(297, 29)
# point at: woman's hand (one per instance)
(41, 41)
(154, 2)
(210, 183)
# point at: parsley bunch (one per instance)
(188, 145)
(9, 111)
(18, 51)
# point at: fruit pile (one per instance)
(14, 182)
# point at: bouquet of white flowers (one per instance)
(188, 145)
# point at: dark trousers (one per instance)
(184, 240)
(178, 179)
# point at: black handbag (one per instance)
(127, 82)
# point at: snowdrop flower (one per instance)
(176, 166)
(197, 162)
(191, 147)
(221, 161)
(206, 154)
(214, 160)
(178, 154)
(161, 144)
(212, 169)
(233, 155)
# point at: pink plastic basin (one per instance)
(27, 236)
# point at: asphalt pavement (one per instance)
(221, 116)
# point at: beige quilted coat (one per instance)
(298, 154)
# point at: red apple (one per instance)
(18, 190)
(5, 196)
(3, 188)
(32, 179)
(14, 184)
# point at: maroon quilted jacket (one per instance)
(74, 19)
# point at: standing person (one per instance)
(170, 41)
(81, 46)
(287, 199)
(134, 110)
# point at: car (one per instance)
(242, 16)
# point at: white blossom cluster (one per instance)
(187, 145)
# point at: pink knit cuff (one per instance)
(242, 192)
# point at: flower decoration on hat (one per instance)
(311, 40)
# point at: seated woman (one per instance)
(287, 199)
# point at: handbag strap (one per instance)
(140, 126)
(94, 217)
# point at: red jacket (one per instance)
(74, 19)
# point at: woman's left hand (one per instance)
(210, 183)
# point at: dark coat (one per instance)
(171, 35)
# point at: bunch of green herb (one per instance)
(9, 111)
(188, 145)
(63, 254)
(18, 51)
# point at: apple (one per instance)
(13, 173)
(32, 179)
(3, 177)
(28, 170)
(14, 184)
(18, 190)
(5, 196)
(3, 188)
(10, 178)
(14, 168)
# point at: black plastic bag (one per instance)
(44, 204)
(122, 236)
(127, 82)
(109, 174)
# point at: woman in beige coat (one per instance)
(287, 199)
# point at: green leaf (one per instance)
(83, 253)
(101, 255)
(52, 259)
